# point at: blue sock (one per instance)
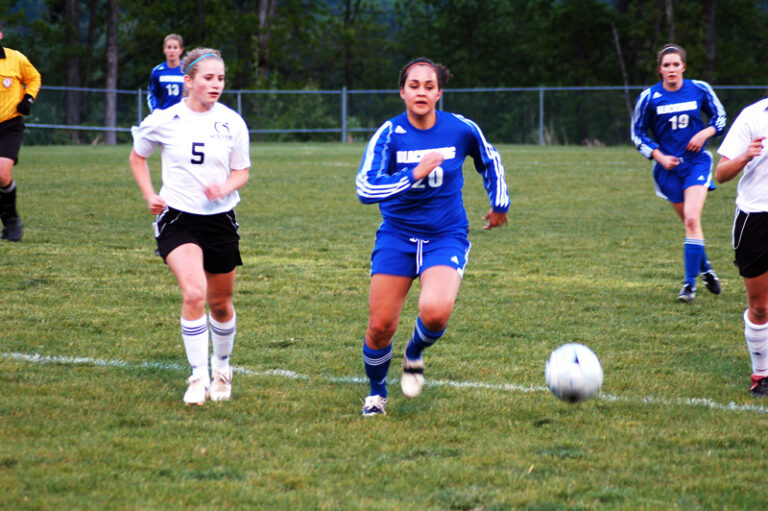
(377, 367)
(705, 265)
(694, 255)
(422, 338)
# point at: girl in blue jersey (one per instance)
(166, 81)
(682, 170)
(412, 167)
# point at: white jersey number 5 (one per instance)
(197, 152)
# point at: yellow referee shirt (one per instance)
(17, 77)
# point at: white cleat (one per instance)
(413, 376)
(374, 405)
(221, 384)
(196, 392)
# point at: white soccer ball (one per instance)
(573, 373)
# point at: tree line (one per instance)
(358, 44)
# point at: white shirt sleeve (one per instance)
(144, 137)
(241, 158)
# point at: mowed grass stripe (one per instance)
(287, 373)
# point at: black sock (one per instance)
(8, 201)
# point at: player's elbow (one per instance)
(134, 158)
(365, 199)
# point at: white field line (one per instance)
(285, 373)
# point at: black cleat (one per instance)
(12, 229)
(712, 282)
(759, 386)
(687, 293)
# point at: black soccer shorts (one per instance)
(215, 234)
(11, 133)
(750, 241)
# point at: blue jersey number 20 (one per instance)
(434, 179)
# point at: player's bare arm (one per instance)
(699, 139)
(428, 163)
(728, 169)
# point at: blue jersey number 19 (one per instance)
(679, 121)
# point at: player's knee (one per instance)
(760, 313)
(221, 307)
(380, 331)
(435, 316)
(692, 222)
(193, 296)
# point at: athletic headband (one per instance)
(199, 58)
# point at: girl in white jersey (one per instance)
(205, 160)
(742, 149)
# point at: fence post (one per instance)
(344, 114)
(541, 115)
(240, 102)
(139, 110)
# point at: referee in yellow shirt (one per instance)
(19, 85)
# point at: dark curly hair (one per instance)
(443, 75)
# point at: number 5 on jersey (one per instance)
(197, 153)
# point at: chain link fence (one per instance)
(524, 115)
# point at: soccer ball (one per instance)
(573, 373)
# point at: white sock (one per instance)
(223, 339)
(195, 335)
(757, 344)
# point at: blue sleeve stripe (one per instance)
(718, 119)
(374, 165)
(367, 191)
(639, 127)
(371, 156)
(490, 156)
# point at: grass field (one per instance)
(93, 371)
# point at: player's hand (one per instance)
(666, 161)
(25, 106)
(156, 204)
(494, 219)
(215, 192)
(428, 163)
(697, 141)
(754, 148)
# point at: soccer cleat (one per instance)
(12, 229)
(759, 386)
(196, 392)
(687, 293)
(374, 405)
(712, 282)
(413, 376)
(221, 384)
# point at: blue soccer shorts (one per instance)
(408, 257)
(694, 169)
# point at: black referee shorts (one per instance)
(216, 235)
(11, 133)
(750, 241)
